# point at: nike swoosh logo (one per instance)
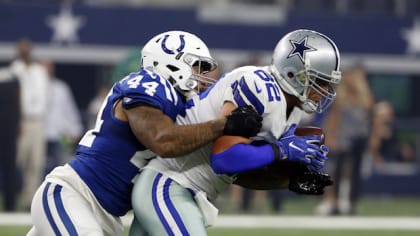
(292, 144)
(256, 88)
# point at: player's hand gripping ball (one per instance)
(280, 171)
(286, 169)
(311, 131)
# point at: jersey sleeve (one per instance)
(255, 86)
(145, 89)
(241, 156)
(249, 87)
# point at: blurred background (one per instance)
(373, 129)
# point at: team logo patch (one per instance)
(300, 48)
(169, 51)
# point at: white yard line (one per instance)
(260, 221)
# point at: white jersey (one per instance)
(242, 86)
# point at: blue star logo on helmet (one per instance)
(300, 49)
(169, 51)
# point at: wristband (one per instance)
(276, 151)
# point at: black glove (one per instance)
(243, 121)
(310, 183)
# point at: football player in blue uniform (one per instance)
(136, 122)
(173, 196)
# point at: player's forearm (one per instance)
(184, 139)
(242, 157)
(157, 132)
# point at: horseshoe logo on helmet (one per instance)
(169, 51)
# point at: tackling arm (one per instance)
(160, 134)
(233, 154)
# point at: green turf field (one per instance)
(304, 206)
(13, 230)
(369, 206)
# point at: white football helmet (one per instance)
(173, 55)
(304, 59)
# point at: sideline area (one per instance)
(261, 221)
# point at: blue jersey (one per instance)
(105, 157)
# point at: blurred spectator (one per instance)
(33, 79)
(384, 145)
(382, 141)
(9, 123)
(347, 128)
(407, 152)
(62, 121)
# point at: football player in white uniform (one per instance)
(173, 196)
(88, 195)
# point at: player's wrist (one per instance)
(278, 151)
(217, 126)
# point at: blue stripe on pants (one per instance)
(62, 212)
(156, 206)
(172, 209)
(47, 210)
(167, 201)
(60, 209)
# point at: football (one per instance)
(226, 141)
(309, 131)
(277, 175)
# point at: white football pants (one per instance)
(163, 207)
(59, 208)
